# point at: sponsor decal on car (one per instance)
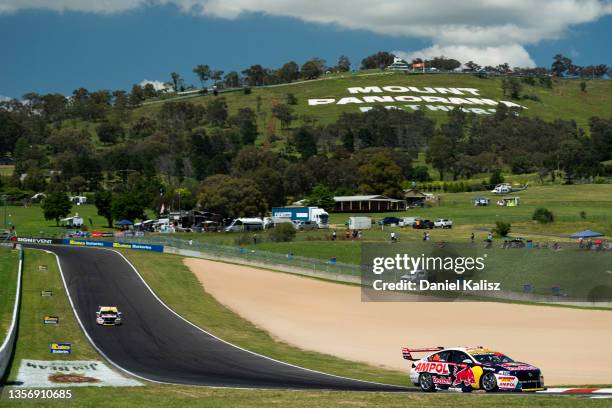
(506, 382)
(429, 367)
(439, 380)
(464, 376)
(518, 366)
(60, 348)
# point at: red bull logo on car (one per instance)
(464, 376)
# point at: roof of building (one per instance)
(414, 193)
(364, 198)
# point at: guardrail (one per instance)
(7, 347)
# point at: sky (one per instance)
(60, 45)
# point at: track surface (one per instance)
(157, 345)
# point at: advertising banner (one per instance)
(60, 348)
(51, 319)
(117, 245)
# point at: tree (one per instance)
(232, 80)
(149, 91)
(321, 197)
(216, 75)
(380, 175)
(502, 228)
(288, 72)
(216, 112)
(128, 206)
(543, 216)
(560, 65)
(175, 80)
(344, 64)
(57, 205)
(255, 75)
(231, 196)
(311, 69)
(246, 121)
(291, 99)
(305, 142)
(380, 60)
(439, 154)
(103, 201)
(496, 177)
(512, 87)
(472, 66)
(284, 113)
(202, 71)
(109, 133)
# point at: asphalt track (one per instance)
(156, 344)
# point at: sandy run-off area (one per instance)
(571, 346)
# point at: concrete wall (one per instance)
(7, 347)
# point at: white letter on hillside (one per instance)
(344, 101)
(325, 101)
(394, 88)
(367, 89)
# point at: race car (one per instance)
(108, 316)
(471, 368)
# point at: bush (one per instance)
(247, 90)
(284, 232)
(502, 228)
(543, 216)
(496, 178)
(583, 215)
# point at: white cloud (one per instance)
(514, 54)
(158, 85)
(4, 98)
(479, 25)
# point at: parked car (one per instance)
(305, 225)
(408, 221)
(389, 221)
(423, 224)
(443, 223)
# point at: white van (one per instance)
(245, 224)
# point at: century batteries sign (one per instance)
(415, 98)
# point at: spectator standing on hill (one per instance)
(472, 238)
(393, 237)
(254, 239)
(333, 235)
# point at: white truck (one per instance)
(359, 223)
(316, 214)
(443, 223)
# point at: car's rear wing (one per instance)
(407, 352)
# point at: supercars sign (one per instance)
(414, 98)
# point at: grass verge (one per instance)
(9, 262)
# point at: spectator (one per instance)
(333, 237)
(393, 237)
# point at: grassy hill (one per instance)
(565, 100)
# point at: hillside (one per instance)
(565, 100)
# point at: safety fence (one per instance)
(288, 262)
(8, 345)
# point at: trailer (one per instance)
(316, 214)
(359, 223)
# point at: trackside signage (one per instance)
(117, 245)
(413, 98)
(45, 374)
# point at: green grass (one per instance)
(9, 262)
(30, 222)
(565, 100)
(6, 170)
(34, 337)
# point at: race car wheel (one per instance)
(426, 382)
(489, 382)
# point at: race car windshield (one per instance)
(492, 358)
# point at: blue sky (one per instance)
(57, 51)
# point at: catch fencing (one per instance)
(286, 262)
(8, 345)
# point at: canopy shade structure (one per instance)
(586, 234)
(124, 222)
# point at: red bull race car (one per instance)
(471, 368)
